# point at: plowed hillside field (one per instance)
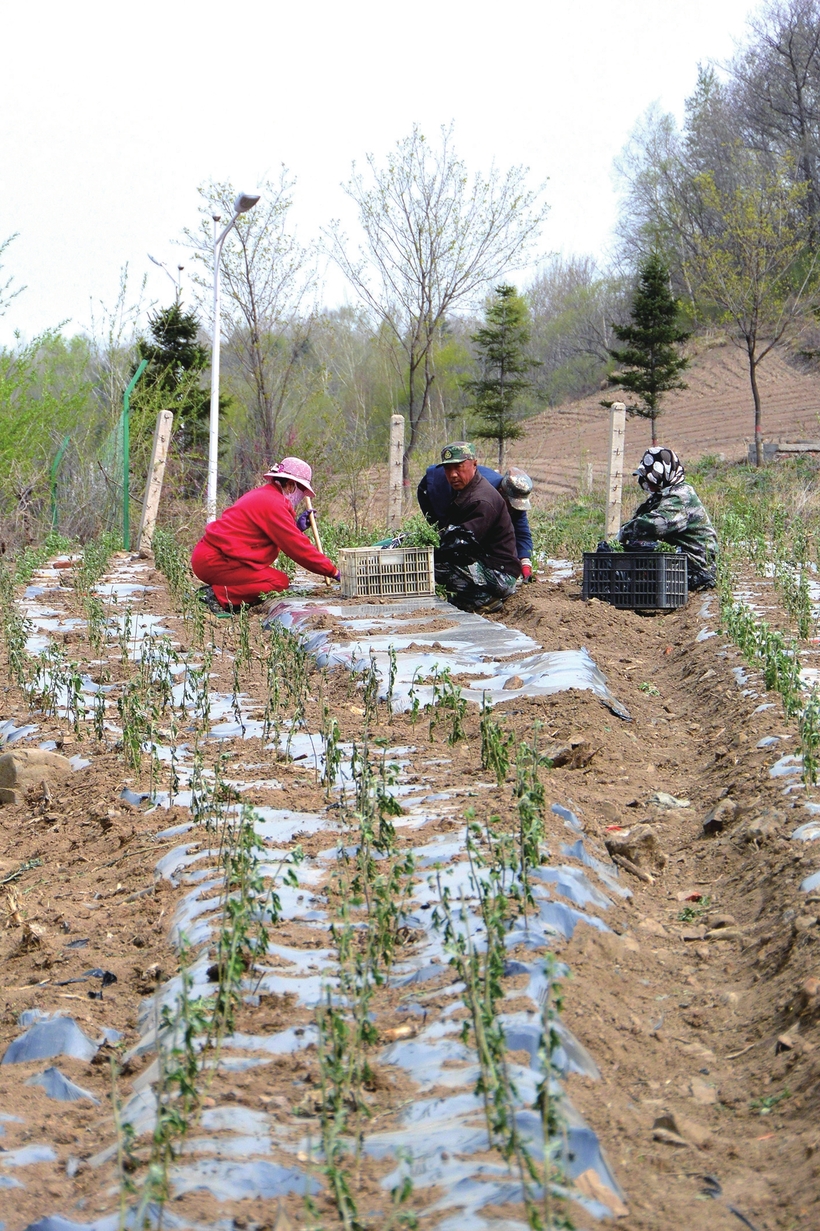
(715, 414)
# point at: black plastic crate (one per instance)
(640, 580)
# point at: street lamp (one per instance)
(244, 201)
(176, 281)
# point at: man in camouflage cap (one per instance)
(673, 514)
(435, 496)
(477, 561)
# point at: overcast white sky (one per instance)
(112, 113)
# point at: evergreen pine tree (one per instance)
(650, 357)
(175, 361)
(501, 344)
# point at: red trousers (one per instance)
(235, 582)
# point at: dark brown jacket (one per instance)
(480, 509)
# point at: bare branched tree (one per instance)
(268, 280)
(7, 291)
(434, 238)
(756, 262)
(573, 306)
(113, 333)
(776, 89)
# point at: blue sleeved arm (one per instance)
(521, 525)
(523, 534)
(435, 495)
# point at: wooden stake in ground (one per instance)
(156, 473)
(615, 478)
(395, 473)
(315, 528)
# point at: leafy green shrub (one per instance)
(568, 528)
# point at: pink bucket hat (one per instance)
(292, 468)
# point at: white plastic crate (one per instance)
(373, 572)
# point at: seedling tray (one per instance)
(639, 580)
(373, 572)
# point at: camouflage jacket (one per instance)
(678, 517)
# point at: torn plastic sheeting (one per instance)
(473, 1193)
(809, 832)
(433, 1110)
(439, 851)
(285, 1043)
(607, 873)
(301, 959)
(564, 919)
(423, 1140)
(467, 1186)
(228, 1181)
(573, 884)
(9, 734)
(143, 624)
(234, 1120)
(136, 1220)
(539, 982)
(548, 673)
(811, 882)
(28, 1156)
(56, 1222)
(468, 645)
(424, 1059)
(581, 1148)
(786, 767)
(60, 1036)
(280, 824)
(581, 1151)
(176, 830)
(565, 815)
(521, 1034)
(141, 1113)
(241, 1064)
(192, 906)
(248, 728)
(423, 974)
(229, 1147)
(135, 798)
(58, 1086)
(108, 977)
(29, 1016)
(122, 589)
(168, 994)
(178, 860)
(309, 990)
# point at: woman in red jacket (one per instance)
(235, 555)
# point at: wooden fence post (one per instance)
(395, 475)
(156, 473)
(615, 478)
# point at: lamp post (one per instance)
(241, 205)
(177, 281)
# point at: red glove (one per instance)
(526, 571)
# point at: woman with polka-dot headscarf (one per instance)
(673, 514)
